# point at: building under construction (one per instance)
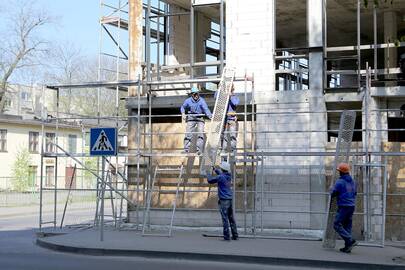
(296, 66)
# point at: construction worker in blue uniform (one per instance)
(223, 179)
(345, 189)
(193, 111)
(230, 130)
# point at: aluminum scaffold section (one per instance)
(149, 193)
(343, 146)
(217, 121)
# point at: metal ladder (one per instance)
(217, 121)
(150, 190)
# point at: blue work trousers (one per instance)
(343, 223)
(225, 208)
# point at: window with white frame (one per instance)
(49, 143)
(33, 141)
(72, 143)
(3, 140)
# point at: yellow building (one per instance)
(18, 134)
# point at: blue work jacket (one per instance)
(224, 181)
(346, 190)
(198, 107)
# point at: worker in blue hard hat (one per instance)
(193, 111)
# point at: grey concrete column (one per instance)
(318, 121)
(390, 34)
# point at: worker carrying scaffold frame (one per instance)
(345, 189)
(193, 111)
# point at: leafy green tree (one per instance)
(21, 170)
(89, 179)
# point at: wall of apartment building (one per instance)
(18, 139)
(250, 46)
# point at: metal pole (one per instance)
(262, 194)
(244, 163)
(254, 192)
(56, 159)
(103, 186)
(166, 34)
(234, 190)
(138, 142)
(42, 160)
(149, 193)
(253, 134)
(192, 40)
(375, 42)
(358, 45)
(67, 198)
(366, 100)
(158, 45)
(150, 137)
(147, 41)
(99, 75)
(221, 34)
(179, 180)
(117, 105)
(384, 202)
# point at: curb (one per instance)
(215, 257)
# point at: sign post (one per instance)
(103, 142)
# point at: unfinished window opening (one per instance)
(396, 129)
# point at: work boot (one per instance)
(352, 245)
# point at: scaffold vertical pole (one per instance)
(103, 186)
(42, 160)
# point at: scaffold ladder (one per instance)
(343, 145)
(149, 193)
(210, 153)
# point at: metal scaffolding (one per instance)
(250, 168)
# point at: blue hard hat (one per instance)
(194, 90)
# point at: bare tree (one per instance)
(67, 65)
(21, 43)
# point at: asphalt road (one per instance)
(18, 251)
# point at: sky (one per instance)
(76, 22)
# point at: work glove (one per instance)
(183, 118)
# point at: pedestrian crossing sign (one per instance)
(103, 141)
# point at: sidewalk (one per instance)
(192, 245)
